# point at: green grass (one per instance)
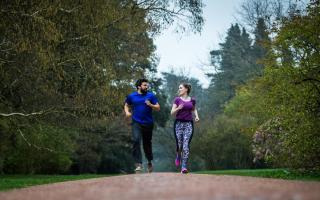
(268, 173)
(19, 181)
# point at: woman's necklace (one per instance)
(185, 98)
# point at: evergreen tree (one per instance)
(237, 62)
(231, 63)
(260, 47)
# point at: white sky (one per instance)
(189, 51)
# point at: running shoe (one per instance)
(184, 171)
(150, 167)
(138, 168)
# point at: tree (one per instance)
(232, 63)
(222, 145)
(284, 102)
(161, 14)
(270, 11)
(260, 48)
(73, 62)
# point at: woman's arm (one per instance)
(196, 118)
(176, 108)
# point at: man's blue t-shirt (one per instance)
(142, 113)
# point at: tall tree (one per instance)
(260, 47)
(231, 63)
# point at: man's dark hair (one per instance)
(140, 81)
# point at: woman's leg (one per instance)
(178, 133)
(187, 136)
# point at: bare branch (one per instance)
(33, 145)
(21, 114)
(66, 61)
(69, 11)
(76, 38)
(171, 12)
(48, 111)
(269, 10)
(34, 15)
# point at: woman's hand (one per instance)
(180, 107)
(196, 116)
(176, 108)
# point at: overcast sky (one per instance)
(191, 51)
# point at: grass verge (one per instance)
(268, 173)
(8, 182)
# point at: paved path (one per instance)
(170, 186)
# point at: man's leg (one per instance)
(147, 144)
(147, 141)
(136, 136)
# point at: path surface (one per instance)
(170, 186)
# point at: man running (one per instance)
(141, 103)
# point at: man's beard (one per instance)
(144, 91)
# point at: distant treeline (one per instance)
(66, 67)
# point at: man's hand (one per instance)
(128, 114)
(148, 103)
(127, 110)
(155, 107)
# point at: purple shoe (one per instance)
(184, 170)
(177, 161)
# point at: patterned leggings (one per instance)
(183, 134)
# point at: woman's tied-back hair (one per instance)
(188, 86)
(140, 81)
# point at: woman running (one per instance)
(184, 108)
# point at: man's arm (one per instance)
(127, 110)
(155, 107)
